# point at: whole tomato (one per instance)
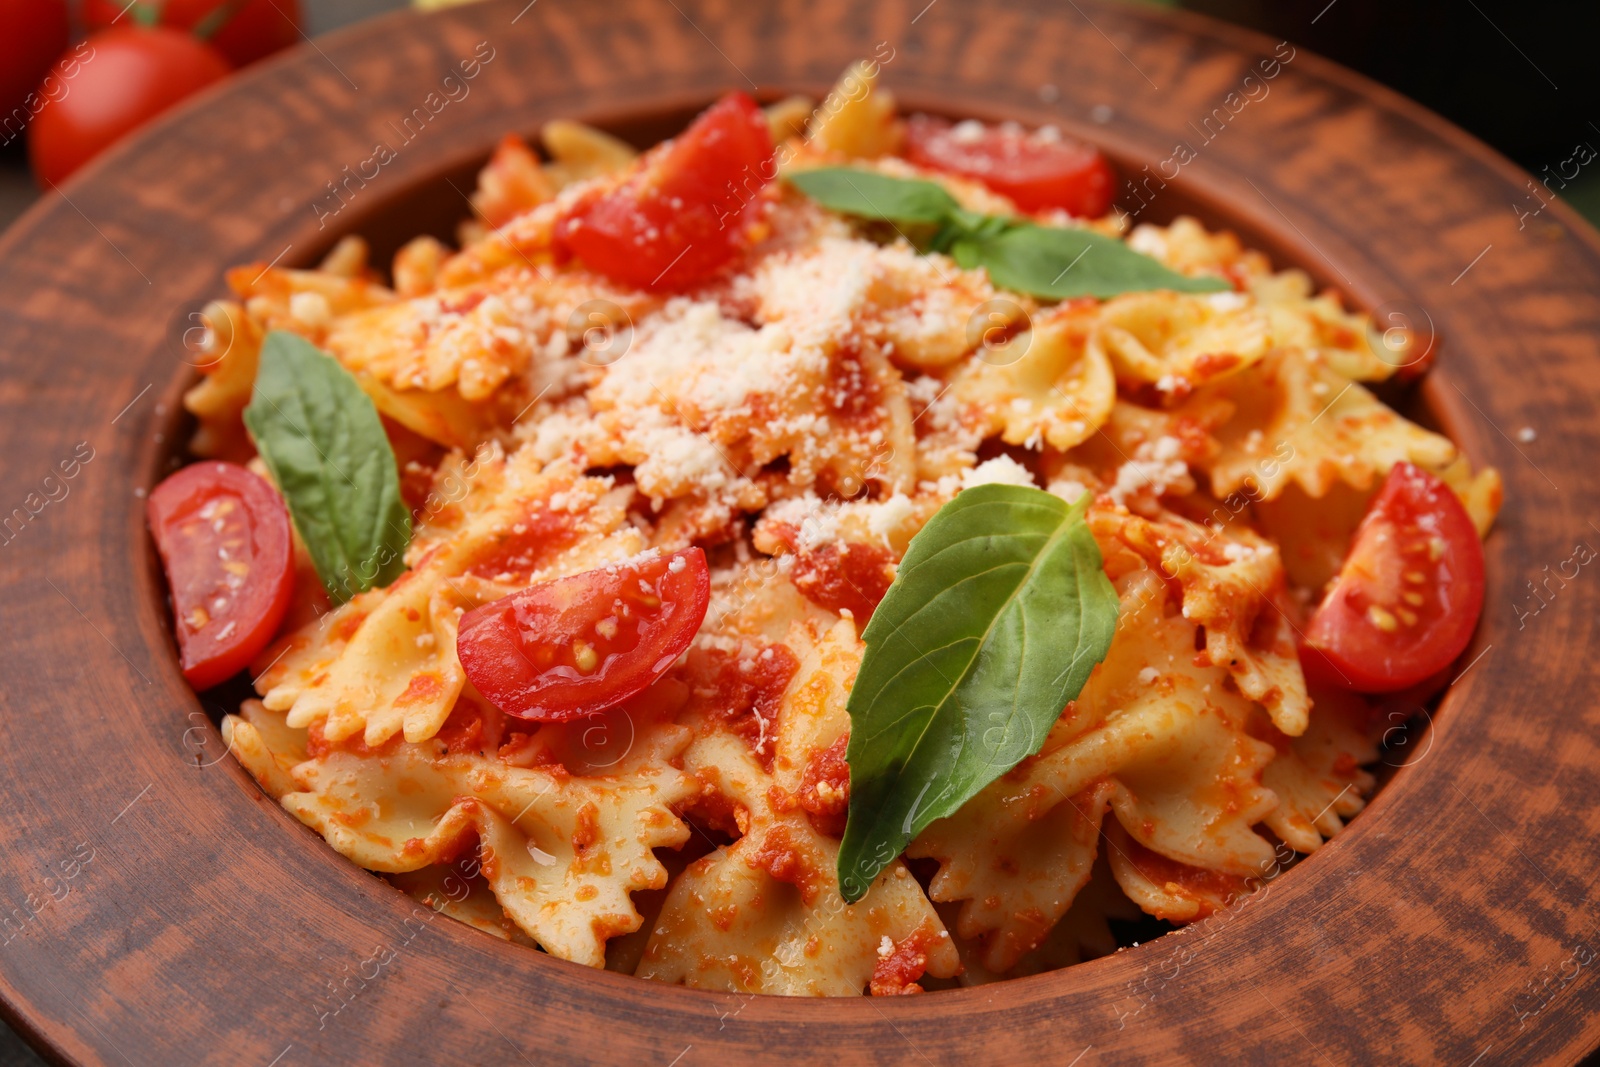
(33, 34)
(256, 28)
(126, 76)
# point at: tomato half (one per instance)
(252, 32)
(1038, 170)
(687, 211)
(1408, 597)
(223, 535)
(133, 75)
(33, 34)
(578, 645)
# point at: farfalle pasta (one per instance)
(795, 413)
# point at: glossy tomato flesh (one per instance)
(687, 211)
(223, 535)
(1037, 170)
(578, 645)
(33, 34)
(1408, 597)
(254, 31)
(132, 76)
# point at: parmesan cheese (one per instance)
(1155, 470)
(1001, 470)
(1068, 489)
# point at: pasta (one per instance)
(800, 417)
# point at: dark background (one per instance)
(1523, 76)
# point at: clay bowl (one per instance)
(159, 908)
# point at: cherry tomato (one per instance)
(134, 75)
(256, 30)
(1038, 170)
(576, 646)
(223, 535)
(1405, 603)
(687, 210)
(33, 34)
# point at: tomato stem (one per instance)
(219, 17)
(147, 15)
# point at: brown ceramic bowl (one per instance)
(160, 909)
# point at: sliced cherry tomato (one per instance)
(134, 74)
(223, 535)
(33, 34)
(1038, 170)
(1405, 603)
(252, 31)
(578, 645)
(687, 211)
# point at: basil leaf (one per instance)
(870, 195)
(1060, 262)
(321, 438)
(998, 613)
(962, 223)
(1052, 262)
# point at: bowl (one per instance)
(159, 907)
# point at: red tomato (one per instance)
(686, 211)
(578, 645)
(1405, 603)
(256, 30)
(1036, 170)
(223, 535)
(33, 34)
(133, 75)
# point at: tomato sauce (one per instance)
(897, 973)
(825, 788)
(1209, 889)
(587, 829)
(779, 856)
(839, 576)
(318, 746)
(844, 577)
(526, 547)
(423, 687)
(713, 811)
(470, 730)
(746, 693)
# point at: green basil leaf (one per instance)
(998, 613)
(871, 195)
(321, 438)
(1060, 262)
(1051, 262)
(962, 224)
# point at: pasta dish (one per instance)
(829, 553)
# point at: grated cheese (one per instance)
(1155, 469)
(1068, 489)
(1001, 470)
